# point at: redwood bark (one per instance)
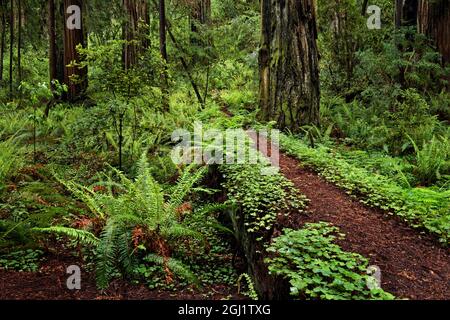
(434, 21)
(52, 42)
(19, 40)
(200, 13)
(75, 77)
(137, 21)
(3, 36)
(163, 51)
(11, 46)
(290, 93)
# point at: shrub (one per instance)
(431, 159)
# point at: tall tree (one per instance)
(3, 36)
(289, 70)
(11, 45)
(434, 21)
(406, 12)
(163, 51)
(75, 76)
(19, 40)
(136, 23)
(200, 13)
(53, 66)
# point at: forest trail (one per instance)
(413, 265)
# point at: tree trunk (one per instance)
(398, 13)
(163, 51)
(290, 93)
(364, 7)
(53, 69)
(75, 77)
(3, 36)
(11, 46)
(137, 20)
(19, 40)
(406, 13)
(434, 21)
(200, 13)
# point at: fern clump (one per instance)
(138, 219)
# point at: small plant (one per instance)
(262, 198)
(10, 160)
(317, 268)
(430, 159)
(22, 261)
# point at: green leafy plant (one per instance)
(22, 260)
(317, 268)
(431, 159)
(137, 217)
(261, 197)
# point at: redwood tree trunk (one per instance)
(290, 93)
(11, 46)
(75, 77)
(163, 51)
(137, 18)
(434, 21)
(3, 36)
(200, 13)
(52, 42)
(19, 40)
(406, 12)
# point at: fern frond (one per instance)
(106, 256)
(82, 236)
(178, 231)
(176, 266)
(185, 184)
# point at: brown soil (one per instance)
(50, 284)
(413, 265)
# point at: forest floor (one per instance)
(413, 265)
(49, 283)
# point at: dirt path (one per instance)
(413, 265)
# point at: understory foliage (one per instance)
(318, 268)
(137, 218)
(262, 198)
(10, 160)
(73, 181)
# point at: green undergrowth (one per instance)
(426, 208)
(262, 198)
(22, 260)
(318, 269)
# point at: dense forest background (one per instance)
(88, 113)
